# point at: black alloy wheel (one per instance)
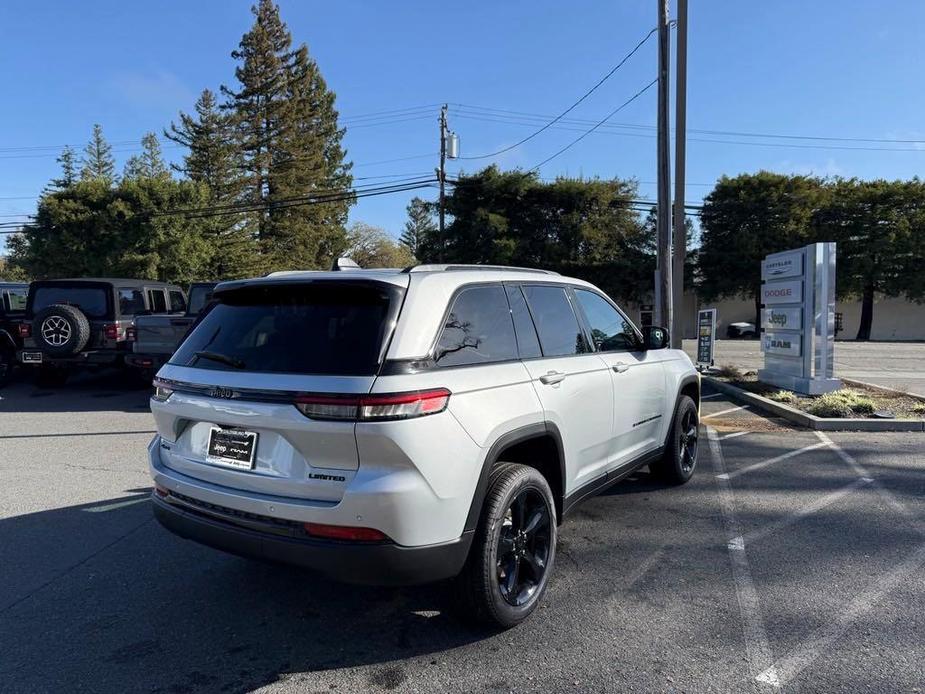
(523, 547)
(688, 434)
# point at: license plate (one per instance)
(31, 357)
(232, 447)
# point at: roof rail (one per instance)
(459, 267)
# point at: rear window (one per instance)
(303, 329)
(16, 299)
(478, 329)
(90, 300)
(131, 302)
(198, 298)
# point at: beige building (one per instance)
(894, 318)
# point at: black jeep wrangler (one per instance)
(75, 323)
(12, 310)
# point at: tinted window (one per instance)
(198, 298)
(610, 331)
(527, 341)
(478, 329)
(16, 299)
(157, 300)
(131, 301)
(90, 300)
(555, 321)
(304, 329)
(177, 302)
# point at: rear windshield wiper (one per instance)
(219, 357)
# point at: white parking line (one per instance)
(777, 459)
(731, 409)
(756, 638)
(734, 435)
(809, 510)
(113, 507)
(790, 666)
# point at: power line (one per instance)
(599, 124)
(570, 108)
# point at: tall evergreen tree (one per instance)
(214, 161)
(420, 227)
(285, 125)
(69, 176)
(149, 163)
(97, 162)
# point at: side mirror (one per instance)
(654, 337)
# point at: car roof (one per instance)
(121, 281)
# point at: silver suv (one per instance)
(407, 426)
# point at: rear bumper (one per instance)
(94, 358)
(350, 562)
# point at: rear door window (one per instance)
(131, 302)
(16, 299)
(157, 300)
(177, 302)
(556, 323)
(317, 328)
(478, 329)
(90, 300)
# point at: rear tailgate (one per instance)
(238, 375)
(160, 334)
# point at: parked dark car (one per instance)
(12, 309)
(80, 323)
(157, 336)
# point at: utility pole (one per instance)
(663, 290)
(680, 143)
(441, 175)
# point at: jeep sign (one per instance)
(798, 319)
(782, 319)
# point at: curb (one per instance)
(811, 421)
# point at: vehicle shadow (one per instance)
(157, 613)
(91, 391)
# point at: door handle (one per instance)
(620, 367)
(551, 377)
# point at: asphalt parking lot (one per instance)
(790, 562)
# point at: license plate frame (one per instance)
(32, 358)
(232, 447)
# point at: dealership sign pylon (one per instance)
(798, 319)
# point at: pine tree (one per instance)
(68, 161)
(97, 161)
(214, 161)
(285, 125)
(419, 229)
(148, 164)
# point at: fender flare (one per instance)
(516, 436)
(686, 380)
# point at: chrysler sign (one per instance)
(782, 265)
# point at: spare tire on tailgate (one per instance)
(61, 330)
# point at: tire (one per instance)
(510, 562)
(51, 376)
(680, 460)
(7, 364)
(61, 330)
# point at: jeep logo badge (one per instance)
(220, 392)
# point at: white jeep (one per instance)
(407, 426)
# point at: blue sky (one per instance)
(832, 69)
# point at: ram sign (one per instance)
(798, 319)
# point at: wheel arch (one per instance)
(536, 445)
(688, 385)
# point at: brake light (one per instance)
(131, 333)
(371, 408)
(25, 330)
(345, 532)
(111, 331)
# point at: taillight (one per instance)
(162, 390)
(345, 532)
(371, 408)
(131, 333)
(25, 330)
(111, 331)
